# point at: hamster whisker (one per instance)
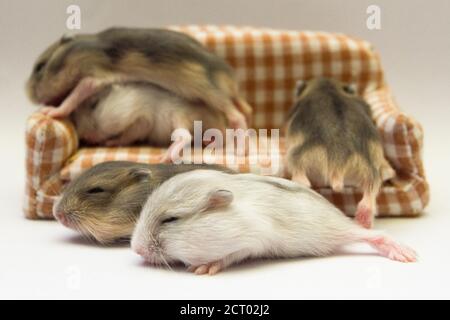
(83, 232)
(165, 263)
(88, 233)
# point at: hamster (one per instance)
(104, 202)
(209, 220)
(332, 140)
(125, 113)
(75, 68)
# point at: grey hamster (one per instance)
(332, 140)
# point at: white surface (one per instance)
(41, 259)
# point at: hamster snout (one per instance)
(61, 215)
(152, 252)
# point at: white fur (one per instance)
(141, 112)
(263, 220)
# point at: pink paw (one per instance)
(46, 110)
(53, 112)
(238, 122)
(364, 216)
(302, 179)
(165, 158)
(210, 268)
(393, 250)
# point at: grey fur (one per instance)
(340, 123)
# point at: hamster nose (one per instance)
(61, 217)
(142, 251)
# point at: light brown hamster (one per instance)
(75, 68)
(332, 140)
(104, 202)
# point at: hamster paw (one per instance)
(210, 268)
(393, 250)
(53, 112)
(45, 110)
(364, 216)
(165, 158)
(301, 178)
(237, 120)
(337, 183)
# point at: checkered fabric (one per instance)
(268, 63)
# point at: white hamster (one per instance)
(209, 220)
(130, 112)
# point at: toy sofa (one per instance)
(268, 63)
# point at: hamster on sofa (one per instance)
(332, 140)
(74, 68)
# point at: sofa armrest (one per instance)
(50, 143)
(402, 136)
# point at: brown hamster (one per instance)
(104, 202)
(75, 68)
(333, 140)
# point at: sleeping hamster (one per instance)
(125, 113)
(209, 220)
(75, 68)
(331, 139)
(104, 202)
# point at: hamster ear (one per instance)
(218, 199)
(142, 173)
(65, 38)
(349, 88)
(300, 85)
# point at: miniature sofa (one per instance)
(268, 63)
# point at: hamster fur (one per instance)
(209, 220)
(75, 68)
(332, 140)
(122, 114)
(104, 202)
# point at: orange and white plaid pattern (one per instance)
(268, 63)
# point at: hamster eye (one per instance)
(95, 190)
(169, 220)
(349, 89)
(39, 67)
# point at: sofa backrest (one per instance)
(269, 62)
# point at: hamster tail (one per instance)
(384, 245)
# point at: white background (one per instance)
(41, 259)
